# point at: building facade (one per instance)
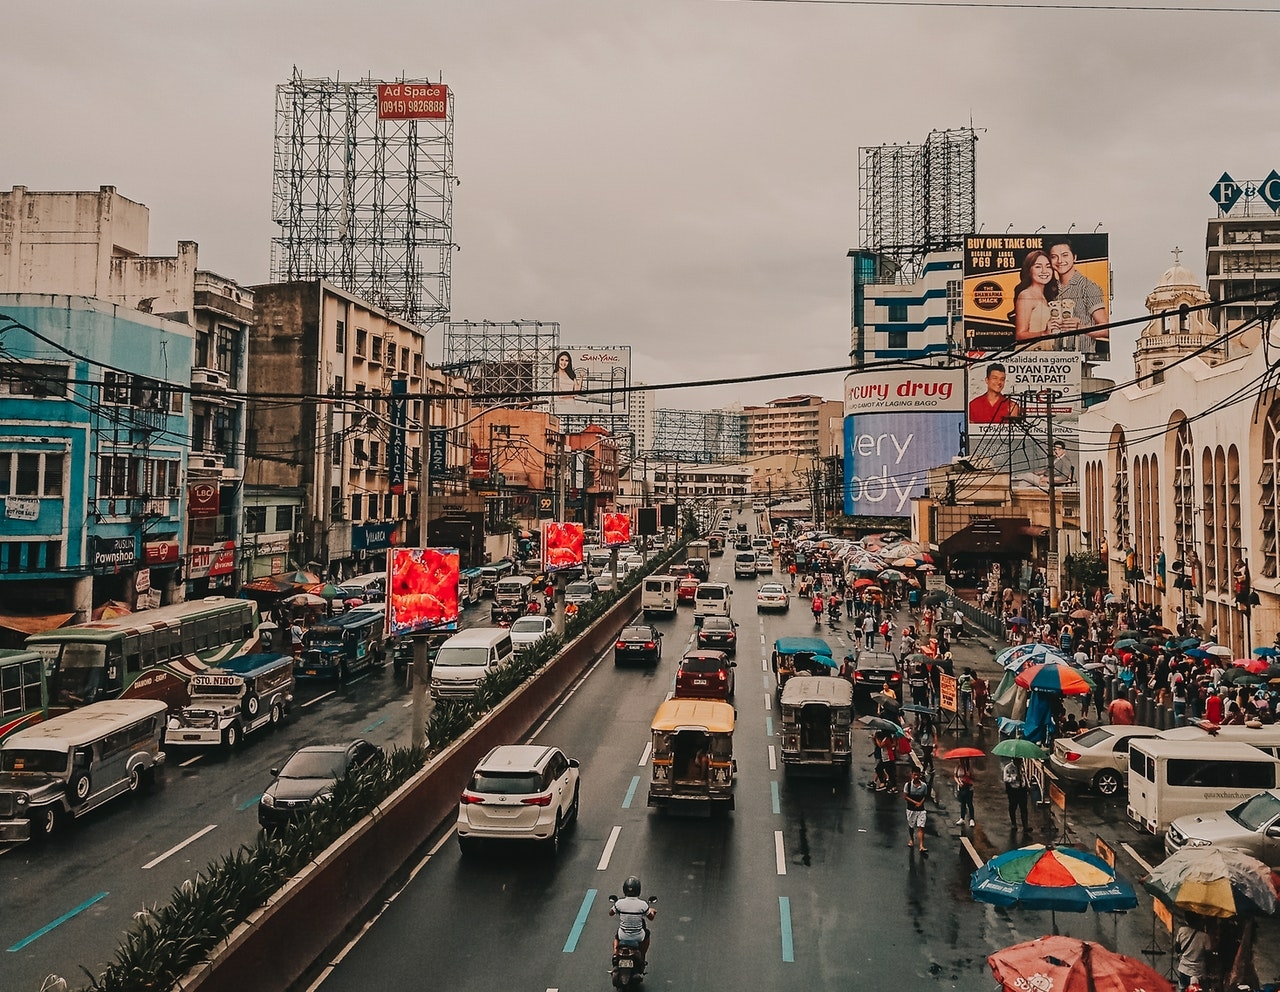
(901, 320)
(808, 426)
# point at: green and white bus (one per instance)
(23, 701)
(146, 655)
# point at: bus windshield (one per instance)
(78, 675)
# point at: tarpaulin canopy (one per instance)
(34, 625)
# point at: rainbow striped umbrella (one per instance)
(1053, 878)
(1055, 677)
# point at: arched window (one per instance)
(1268, 497)
(1184, 498)
(1123, 524)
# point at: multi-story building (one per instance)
(896, 320)
(1242, 259)
(94, 244)
(808, 426)
(641, 418)
(661, 480)
(335, 438)
(94, 433)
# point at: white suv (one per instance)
(519, 792)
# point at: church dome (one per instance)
(1178, 275)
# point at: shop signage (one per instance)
(272, 544)
(204, 500)
(113, 552)
(21, 508)
(372, 537)
(1226, 192)
(207, 560)
(142, 580)
(160, 552)
(396, 444)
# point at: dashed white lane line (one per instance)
(1136, 857)
(644, 755)
(608, 849)
(773, 759)
(768, 700)
(320, 698)
(179, 846)
(779, 853)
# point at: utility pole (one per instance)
(560, 507)
(420, 676)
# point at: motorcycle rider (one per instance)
(833, 606)
(633, 914)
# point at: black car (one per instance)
(639, 642)
(871, 671)
(699, 568)
(307, 779)
(718, 634)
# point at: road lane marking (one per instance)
(644, 755)
(768, 700)
(406, 704)
(775, 798)
(608, 849)
(249, 802)
(773, 759)
(631, 792)
(376, 724)
(57, 923)
(190, 761)
(973, 853)
(1136, 857)
(567, 696)
(575, 932)
(179, 846)
(764, 665)
(768, 726)
(784, 918)
(319, 698)
(779, 853)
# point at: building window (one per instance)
(33, 379)
(357, 506)
(30, 556)
(897, 313)
(284, 517)
(377, 350)
(897, 339)
(417, 364)
(375, 454)
(340, 338)
(255, 519)
(404, 358)
(362, 338)
(391, 357)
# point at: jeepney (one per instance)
(817, 721)
(238, 697)
(692, 765)
(341, 646)
(800, 656)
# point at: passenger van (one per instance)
(744, 565)
(713, 599)
(659, 595)
(236, 698)
(467, 657)
(1169, 778)
(75, 762)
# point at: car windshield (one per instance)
(717, 623)
(314, 764)
(772, 589)
(702, 664)
(528, 625)
(578, 589)
(710, 592)
(506, 783)
(476, 657)
(1254, 814)
(636, 634)
(1091, 737)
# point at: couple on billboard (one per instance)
(1053, 297)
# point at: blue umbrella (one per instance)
(1008, 726)
(1266, 652)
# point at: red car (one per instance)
(687, 590)
(705, 674)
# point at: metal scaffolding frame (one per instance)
(917, 199)
(702, 436)
(363, 202)
(512, 358)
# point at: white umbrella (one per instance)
(1221, 650)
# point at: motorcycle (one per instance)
(629, 963)
(833, 611)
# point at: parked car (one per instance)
(308, 777)
(641, 642)
(764, 563)
(719, 633)
(687, 590)
(872, 670)
(1253, 827)
(705, 674)
(772, 596)
(519, 792)
(529, 630)
(1098, 758)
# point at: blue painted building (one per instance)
(95, 427)
(894, 321)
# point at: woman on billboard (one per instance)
(565, 377)
(1032, 315)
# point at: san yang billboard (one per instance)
(423, 590)
(591, 379)
(1042, 291)
(898, 424)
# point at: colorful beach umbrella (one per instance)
(1056, 678)
(1065, 964)
(1214, 881)
(1053, 878)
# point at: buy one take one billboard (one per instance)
(898, 424)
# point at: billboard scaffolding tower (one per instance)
(362, 191)
(917, 199)
(701, 436)
(510, 359)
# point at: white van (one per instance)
(467, 657)
(659, 595)
(712, 600)
(1169, 779)
(744, 565)
(75, 762)
(1265, 738)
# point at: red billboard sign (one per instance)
(413, 101)
(615, 530)
(203, 500)
(424, 590)
(160, 552)
(561, 545)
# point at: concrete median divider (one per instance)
(279, 943)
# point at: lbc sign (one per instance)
(1226, 192)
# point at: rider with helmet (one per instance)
(633, 914)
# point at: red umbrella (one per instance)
(1066, 964)
(1055, 678)
(1255, 665)
(958, 753)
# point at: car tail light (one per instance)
(650, 645)
(1072, 755)
(722, 675)
(731, 637)
(621, 645)
(542, 800)
(471, 799)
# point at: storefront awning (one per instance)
(34, 625)
(997, 537)
(270, 584)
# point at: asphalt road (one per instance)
(808, 883)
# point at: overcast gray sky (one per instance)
(676, 175)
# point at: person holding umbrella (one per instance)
(963, 775)
(1015, 789)
(914, 793)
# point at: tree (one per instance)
(1086, 570)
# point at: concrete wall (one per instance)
(277, 945)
